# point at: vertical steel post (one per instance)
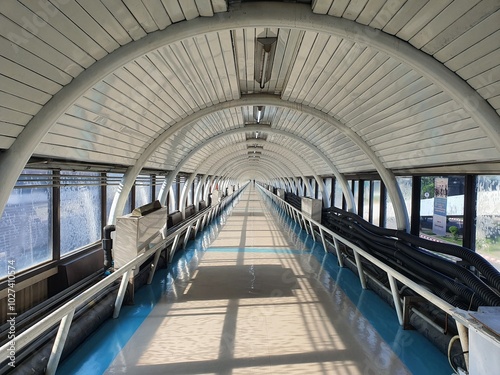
(62, 334)
(121, 293)
(361, 274)
(395, 298)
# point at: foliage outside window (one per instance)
(328, 190)
(488, 218)
(449, 190)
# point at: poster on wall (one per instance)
(440, 201)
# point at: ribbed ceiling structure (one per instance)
(372, 86)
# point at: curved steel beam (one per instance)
(345, 186)
(243, 159)
(185, 190)
(319, 181)
(289, 153)
(274, 171)
(282, 164)
(228, 170)
(292, 176)
(294, 16)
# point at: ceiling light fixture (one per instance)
(264, 57)
(258, 113)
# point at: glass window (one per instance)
(181, 189)
(328, 191)
(405, 185)
(143, 190)
(196, 182)
(26, 223)
(338, 195)
(366, 200)
(488, 218)
(191, 192)
(112, 184)
(80, 210)
(376, 203)
(172, 197)
(355, 193)
(312, 192)
(442, 208)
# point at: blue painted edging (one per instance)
(414, 350)
(99, 350)
(405, 344)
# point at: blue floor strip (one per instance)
(96, 354)
(99, 350)
(418, 354)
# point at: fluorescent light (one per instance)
(258, 113)
(264, 56)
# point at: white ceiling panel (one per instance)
(405, 117)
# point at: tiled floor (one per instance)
(259, 301)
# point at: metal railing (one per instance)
(308, 224)
(65, 313)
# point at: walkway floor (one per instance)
(260, 301)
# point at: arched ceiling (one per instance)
(374, 85)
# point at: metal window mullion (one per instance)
(416, 187)
(56, 216)
(470, 212)
(383, 202)
(104, 189)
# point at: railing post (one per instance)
(154, 265)
(197, 226)
(339, 254)
(323, 239)
(395, 298)
(463, 332)
(57, 348)
(312, 230)
(362, 279)
(186, 237)
(121, 293)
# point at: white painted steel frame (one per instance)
(65, 313)
(282, 163)
(294, 16)
(345, 187)
(460, 316)
(443, 305)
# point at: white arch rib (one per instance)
(294, 16)
(345, 187)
